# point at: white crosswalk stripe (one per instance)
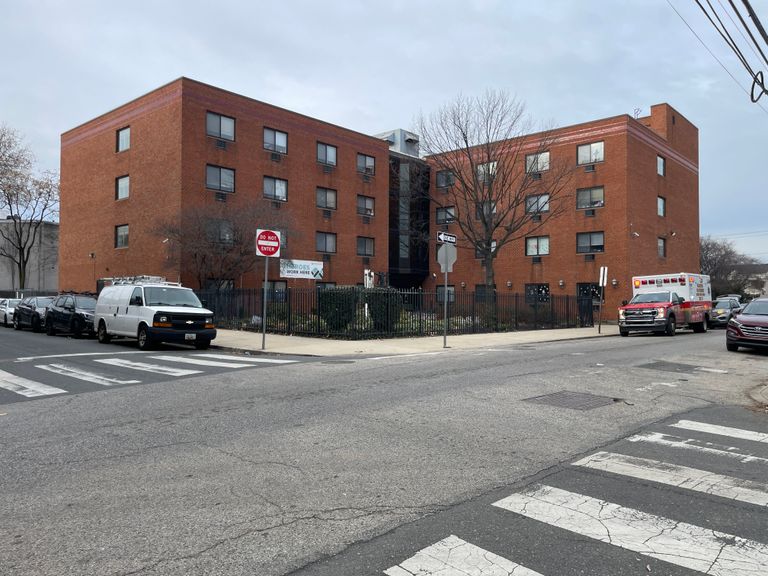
(145, 367)
(25, 387)
(722, 430)
(695, 445)
(679, 476)
(254, 359)
(72, 372)
(686, 545)
(453, 556)
(200, 361)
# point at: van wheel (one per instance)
(102, 334)
(624, 332)
(203, 344)
(671, 326)
(145, 342)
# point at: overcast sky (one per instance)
(374, 65)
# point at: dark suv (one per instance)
(749, 327)
(71, 313)
(30, 312)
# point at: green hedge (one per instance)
(336, 306)
(385, 306)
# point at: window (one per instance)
(220, 126)
(479, 253)
(485, 209)
(486, 171)
(441, 293)
(121, 236)
(275, 140)
(324, 285)
(445, 178)
(366, 164)
(537, 203)
(123, 139)
(365, 205)
(276, 189)
(218, 178)
(661, 206)
(535, 293)
(589, 153)
(590, 242)
(277, 290)
(364, 246)
(590, 198)
(537, 162)
(122, 187)
(220, 231)
(661, 165)
(325, 198)
(445, 215)
(537, 246)
(661, 244)
(325, 242)
(326, 154)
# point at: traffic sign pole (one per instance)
(445, 311)
(264, 305)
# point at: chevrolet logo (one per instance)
(190, 322)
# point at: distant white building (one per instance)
(43, 268)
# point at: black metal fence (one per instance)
(355, 315)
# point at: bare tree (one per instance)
(29, 200)
(216, 243)
(497, 180)
(727, 268)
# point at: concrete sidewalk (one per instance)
(278, 344)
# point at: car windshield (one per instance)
(44, 301)
(171, 297)
(85, 302)
(13, 302)
(756, 308)
(650, 297)
(722, 304)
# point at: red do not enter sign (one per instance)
(267, 243)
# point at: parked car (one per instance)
(7, 305)
(153, 312)
(748, 327)
(71, 313)
(30, 313)
(736, 297)
(722, 311)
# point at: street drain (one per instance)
(573, 400)
(669, 367)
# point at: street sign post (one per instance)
(602, 283)
(267, 245)
(446, 238)
(446, 257)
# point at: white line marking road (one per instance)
(28, 358)
(722, 430)
(144, 367)
(28, 388)
(71, 372)
(246, 358)
(653, 385)
(687, 545)
(200, 361)
(697, 445)
(679, 476)
(712, 370)
(453, 556)
(405, 355)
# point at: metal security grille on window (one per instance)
(536, 293)
(275, 140)
(220, 126)
(276, 189)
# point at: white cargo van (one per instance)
(153, 312)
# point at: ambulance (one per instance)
(665, 302)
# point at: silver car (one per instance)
(7, 305)
(722, 311)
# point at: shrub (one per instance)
(385, 306)
(336, 307)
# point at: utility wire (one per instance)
(751, 46)
(713, 55)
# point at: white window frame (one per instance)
(537, 246)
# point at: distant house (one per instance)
(43, 268)
(757, 284)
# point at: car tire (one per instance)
(731, 347)
(102, 334)
(36, 324)
(203, 344)
(699, 327)
(671, 326)
(143, 338)
(76, 327)
(5, 320)
(624, 333)
(49, 329)
(16, 325)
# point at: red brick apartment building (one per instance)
(633, 206)
(187, 146)
(343, 198)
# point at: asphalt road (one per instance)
(353, 466)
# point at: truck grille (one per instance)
(187, 321)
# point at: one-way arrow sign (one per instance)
(446, 238)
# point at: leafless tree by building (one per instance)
(495, 179)
(27, 200)
(728, 269)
